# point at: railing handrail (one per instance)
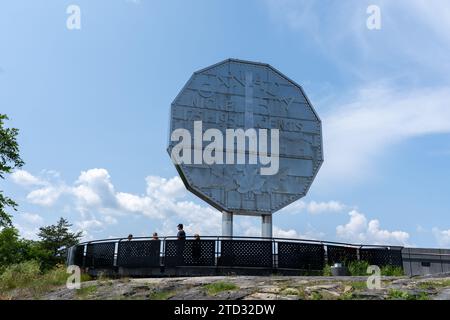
(322, 242)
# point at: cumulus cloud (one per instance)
(357, 133)
(442, 237)
(360, 230)
(27, 231)
(314, 207)
(88, 225)
(28, 225)
(165, 201)
(31, 218)
(24, 178)
(248, 228)
(93, 195)
(94, 189)
(46, 196)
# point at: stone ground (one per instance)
(258, 288)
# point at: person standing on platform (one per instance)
(181, 235)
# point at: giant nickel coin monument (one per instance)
(245, 139)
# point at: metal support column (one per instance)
(266, 230)
(227, 224)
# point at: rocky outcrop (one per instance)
(260, 288)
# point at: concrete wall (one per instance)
(422, 261)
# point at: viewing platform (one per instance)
(168, 256)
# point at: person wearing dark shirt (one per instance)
(196, 249)
(181, 235)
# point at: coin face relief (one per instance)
(245, 138)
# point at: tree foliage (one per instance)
(57, 238)
(9, 160)
(14, 250)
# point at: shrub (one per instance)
(327, 271)
(19, 275)
(358, 268)
(216, 287)
(404, 295)
(29, 281)
(392, 271)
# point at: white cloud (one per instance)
(338, 30)
(24, 178)
(248, 228)
(28, 225)
(442, 237)
(359, 230)
(396, 96)
(90, 225)
(46, 196)
(357, 134)
(27, 232)
(31, 218)
(320, 207)
(94, 197)
(110, 220)
(314, 207)
(94, 189)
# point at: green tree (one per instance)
(57, 238)
(10, 247)
(9, 160)
(14, 250)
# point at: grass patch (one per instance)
(27, 279)
(326, 272)
(346, 296)
(217, 287)
(403, 295)
(434, 284)
(358, 285)
(316, 296)
(85, 277)
(358, 268)
(86, 291)
(392, 271)
(290, 292)
(161, 295)
(19, 275)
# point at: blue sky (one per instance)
(92, 106)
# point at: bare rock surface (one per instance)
(256, 288)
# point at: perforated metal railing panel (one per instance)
(190, 253)
(344, 255)
(78, 255)
(134, 254)
(245, 253)
(304, 256)
(100, 255)
(382, 257)
(233, 253)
